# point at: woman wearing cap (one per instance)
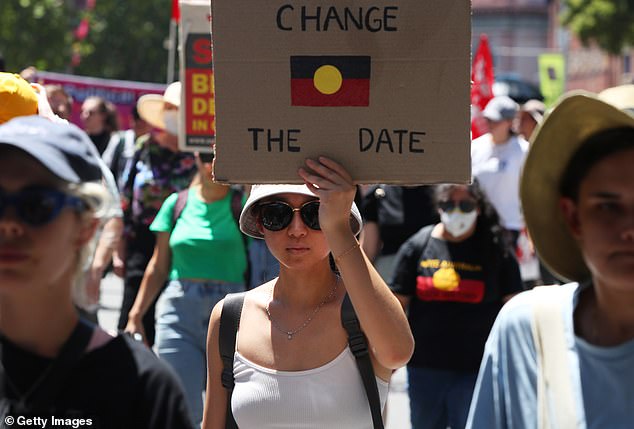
(157, 170)
(52, 363)
(292, 366)
(202, 253)
(453, 278)
(563, 356)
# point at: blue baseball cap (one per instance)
(63, 148)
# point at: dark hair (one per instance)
(111, 122)
(596, 148)
(488, 223)
(135, 113)
(54, 88)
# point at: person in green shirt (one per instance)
(203, 255)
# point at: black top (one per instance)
(399, 211)
(119, 385)
(456, 291)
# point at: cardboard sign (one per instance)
(380, 86)
(196, 75)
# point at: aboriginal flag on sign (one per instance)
(330, 81)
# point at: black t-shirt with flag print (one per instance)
(456, 291)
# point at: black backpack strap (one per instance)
(236, 208)
(236, 203)
(179, 206)
(359, 347)
(229, 323)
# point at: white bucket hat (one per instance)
(248, 217)
(150, 106)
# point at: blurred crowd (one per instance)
(454, 256)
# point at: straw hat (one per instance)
(621, 96)
(150, 106)
(248, 217)
(576, 117)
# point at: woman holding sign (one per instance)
(291, 363)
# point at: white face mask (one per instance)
(457, 223)
(170, 118)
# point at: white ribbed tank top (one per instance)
(328, 397)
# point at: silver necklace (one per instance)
(23, 397)
(290, 334)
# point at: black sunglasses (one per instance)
(278, 215)
(465, 206)
(37, 206)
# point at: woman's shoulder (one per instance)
(123, 355)
(125, 371)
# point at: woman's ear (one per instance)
(570, 213)
(86, 231)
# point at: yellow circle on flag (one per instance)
(327, 79)
(446, 279)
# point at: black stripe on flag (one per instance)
(351, 67)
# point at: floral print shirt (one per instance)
(154, 174)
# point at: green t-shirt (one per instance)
(206, 242)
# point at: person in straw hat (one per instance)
(156, 170)
(292, 365)
(563, 356)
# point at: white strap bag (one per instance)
(557, 407)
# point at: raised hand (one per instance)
(334, 186)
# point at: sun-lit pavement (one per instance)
(398, 402)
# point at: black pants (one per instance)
(130, 290)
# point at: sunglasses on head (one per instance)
(278, 215)
(37, 206)
(465, 206)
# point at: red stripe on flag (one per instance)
(471, 291)
(176, 12)
(353, 92)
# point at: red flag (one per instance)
(176, 12)
(481, 85)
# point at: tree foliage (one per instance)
(35, 32)
(610, 23)
(125, 40)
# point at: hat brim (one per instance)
(150, 108)
(578, 116)
(248, 217)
